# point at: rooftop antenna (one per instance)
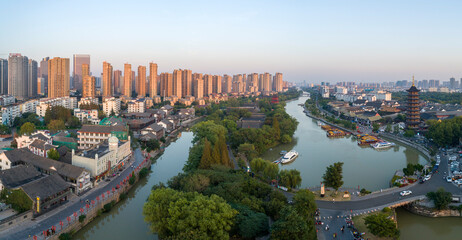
(413, 81)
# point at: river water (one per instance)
(365, 167)
(125, 221)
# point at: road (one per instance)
(45, 221)
(334, 213)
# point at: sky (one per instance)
(312, 41)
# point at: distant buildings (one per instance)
(18, 76)
(58, 77)
(79, 59)
(67, 102)
(89, 86)
(108, 86)
(152, 79)
(127, 88)
(141, 85)
(3, 76)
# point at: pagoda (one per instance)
(275, 99)
(413, 107)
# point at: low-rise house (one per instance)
(15, 177)
(157, 130)
(78, 177)
(47, 193)
(91, 135)
(87, 116)
(40, 148)
(138, 105)
(104, 158)
(167, 125)
(113, 121)
(167, 109)
(187, 113)
(24, 140)
(256, 120)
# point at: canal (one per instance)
(125, 221)
(363, 166)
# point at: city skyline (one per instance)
(329, 41)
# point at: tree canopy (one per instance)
(27, 128)
(172, 213)
(53, 154)
(333, 176)
(440, 198)
(56, 125)
(381, 225)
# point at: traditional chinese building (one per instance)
(413, 107)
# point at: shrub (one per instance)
(143, 172)
(123, 196)
(386, 209)
(82, 218)
(364, 191)
(65, 236)
(108, 206)
(132, 180)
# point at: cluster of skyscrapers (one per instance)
(23, 78)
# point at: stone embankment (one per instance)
(422, 210)
(406, 142)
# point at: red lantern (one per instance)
(75, 214)
(81, 210)
(97, 198)
(68, 219)
(92, 202)
(108, 192)
(102, 195)
(87, 205)
(44, 233)
(35, 237)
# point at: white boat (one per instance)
(289, 157)
(382, 145)
(320, 123)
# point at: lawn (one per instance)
(330, 194)
(361, 226)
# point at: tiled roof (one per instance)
(102, 128)
(45, 187)
(17, 176)
(23, 155)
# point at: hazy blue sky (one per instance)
(306, 40)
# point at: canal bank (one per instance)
(125, 220)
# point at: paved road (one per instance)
(45, 221)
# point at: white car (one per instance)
(449, 179)
(458, 181)
(405, 193)
(427, 177)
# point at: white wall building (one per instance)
(111, 105)
(88, 101)
(138, 105)
(6, 100)
(8, 113)
(29, 106)
(104, 158)
(67, 102)
(87, 116)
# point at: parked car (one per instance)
(421, 180)
(427, 177)
(319, 222)
(449, 179)
(405, 193)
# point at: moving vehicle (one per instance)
(289, 157)
(405, 193)
(427, 177)
(382, 145)
(449, 179)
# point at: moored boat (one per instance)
(382, 145)
(289, 157)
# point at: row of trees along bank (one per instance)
(211, 200)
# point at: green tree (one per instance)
(396, 129)
(258, 165)
(382, 226)
(173, 214)
(4, 129)
(291, 226)
(224, 160)
(305, 203)
(286, 138)
(206, 160)
(18, 199)
(290, 178)
(53, 154)
(400, 118)
(409, 133)
(209, 130)
(375, 127)
(248, 149)
(277, 130)
(388, 128)
(73, 122)
(216, 156)
(440, 198)
(56, 125)
(250, 224)
(194, 157)
(271, 171)
(27, 128)
(333, 176)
